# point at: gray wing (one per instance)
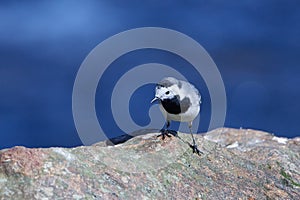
(192, 92)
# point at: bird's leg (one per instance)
(165, 132)
(194, 146)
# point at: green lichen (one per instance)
(288, 179)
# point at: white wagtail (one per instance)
(179, 101)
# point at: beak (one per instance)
(155, 98)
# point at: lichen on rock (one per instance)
(235, 163)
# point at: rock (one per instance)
(235, 164)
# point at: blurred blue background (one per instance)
(255, 44)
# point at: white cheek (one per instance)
(161, 93)
(164, 96)
(170, 96)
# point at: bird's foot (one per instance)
(195, 149)
(167, 133)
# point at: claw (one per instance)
(195, 149)
(165, 133)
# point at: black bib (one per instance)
(175, 106)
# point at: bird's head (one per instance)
(163, 93)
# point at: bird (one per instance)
(178, 101)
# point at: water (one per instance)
(256, 46)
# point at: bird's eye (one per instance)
(167, 92)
